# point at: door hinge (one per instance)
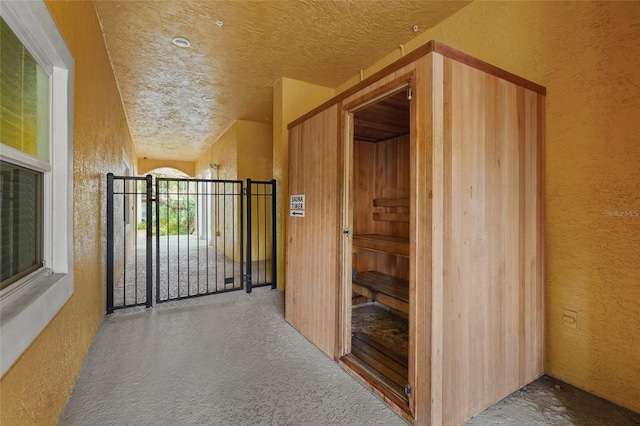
(407, 390)
(409, 93)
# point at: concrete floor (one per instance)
(231, 359)
(548, 401)
(188, 266)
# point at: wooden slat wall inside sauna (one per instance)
(381, 170)
(491, 303)
(312, 250)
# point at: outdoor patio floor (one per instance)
(231, 359)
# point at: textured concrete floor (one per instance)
(188, 266)
(231, 359)
(228, 359)
(548, 401)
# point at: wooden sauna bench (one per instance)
(386, 289)
(387, 365)
(396, 246)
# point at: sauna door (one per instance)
(376, 297)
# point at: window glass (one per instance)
(21, 222)
(24, 98)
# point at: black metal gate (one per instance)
(189, 237)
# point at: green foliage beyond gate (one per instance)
(177, 210)
(177, 217)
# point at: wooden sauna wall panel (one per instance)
(492, 298)
(372, 261)
(381, 170)
(312, 241)
(476, 289)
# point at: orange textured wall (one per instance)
(587, 54)
(35, 390)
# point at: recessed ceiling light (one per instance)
(181, 42)
(219, 24)
(207, 98)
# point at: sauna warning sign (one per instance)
(297, 206)
(297, 202)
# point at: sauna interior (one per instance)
(380, 243)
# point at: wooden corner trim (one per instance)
(430, 46)
(481, 65)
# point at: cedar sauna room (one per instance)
(418, 264)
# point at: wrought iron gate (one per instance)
(189, 237)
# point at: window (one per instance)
(36, 94)
(24, 125)
(24, 94)
(21, 219)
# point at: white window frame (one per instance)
(29, 304)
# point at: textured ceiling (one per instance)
(178, 101)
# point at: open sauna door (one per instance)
(375, 335)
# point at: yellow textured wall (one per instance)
(588, 57)
(147, 165)
(222, 152)
(255, 161)
(291, 99)
(255, 150)
(35, 390)
(243, 151)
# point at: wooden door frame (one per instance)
(346, 127)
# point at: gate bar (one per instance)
(249, 271)
(249, 245)
(158, 241)
(149, 247)
(274, 242)
(110, 243)
(241, 226)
